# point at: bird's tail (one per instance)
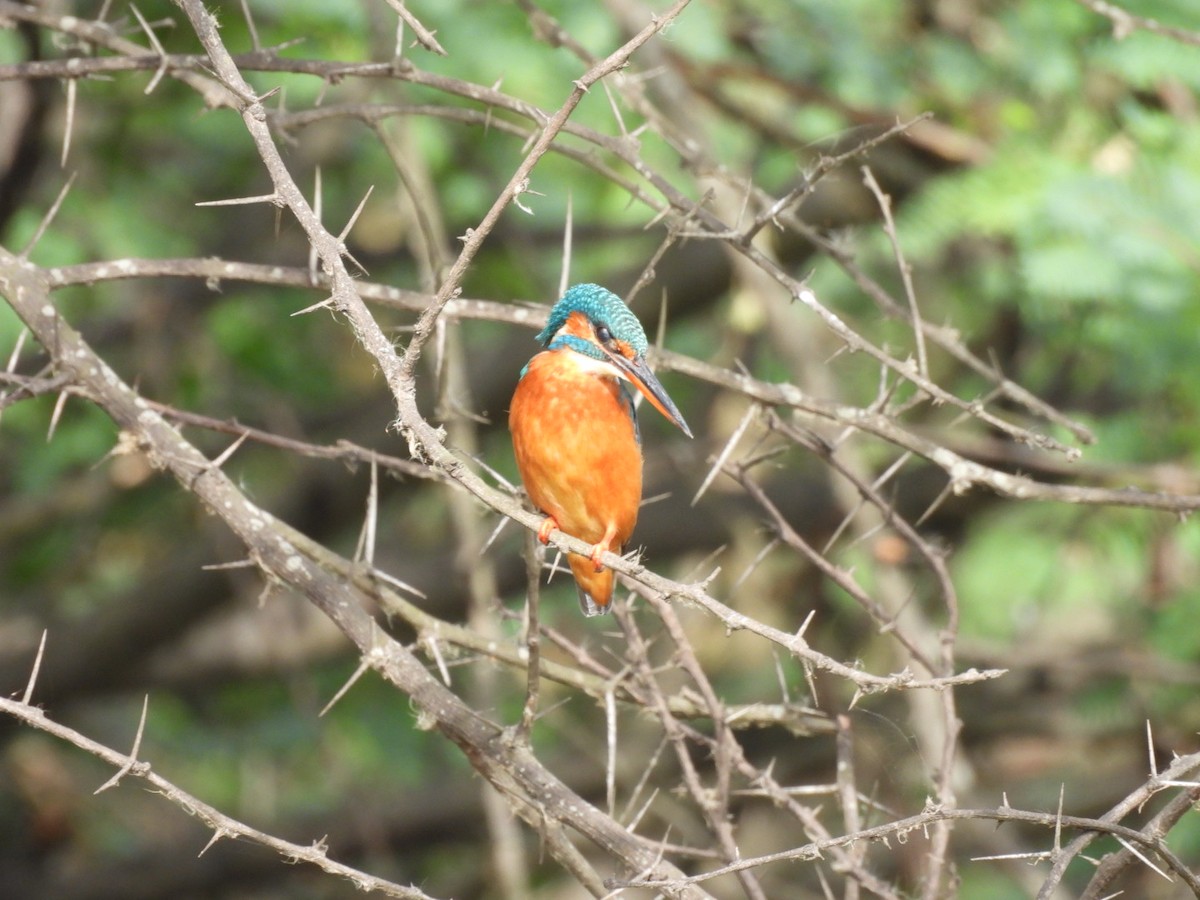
(595, 588)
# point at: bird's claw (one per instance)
(597, 552)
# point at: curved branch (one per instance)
(684, 214)
(222, 826)
(512, 769)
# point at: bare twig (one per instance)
(509, 766)
(1124, 23)
(910, 293)
(212, 817)
(424, 36)
(532, 644)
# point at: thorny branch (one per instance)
(1124, 23)
(964, 473)
(278, 551)
(222, 825)
(678, 694)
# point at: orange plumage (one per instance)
(579, 458)
(574, 433)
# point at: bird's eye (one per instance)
(603, 335)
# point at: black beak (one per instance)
(645, 381)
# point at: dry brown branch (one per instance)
(511, 767)
(685, 215)
(712, 800)
(1125, 23)
(1113, 865)
(424, 36)
(222, 825)
(1090, 828)
(964, 473)
(424, 441)
(1184, 767)
(705, 775)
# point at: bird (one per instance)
(575, 433)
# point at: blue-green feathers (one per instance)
(613, 345)
(602, 307)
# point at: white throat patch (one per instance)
(591, 366)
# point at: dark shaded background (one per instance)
(1047, 209)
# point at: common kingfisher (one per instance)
(575, 432)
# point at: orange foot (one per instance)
(548, 525)
(600, 548)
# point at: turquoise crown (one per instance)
(602, 307)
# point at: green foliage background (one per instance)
(1053, 222)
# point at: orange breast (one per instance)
(576, 448)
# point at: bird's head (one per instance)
(596, 323)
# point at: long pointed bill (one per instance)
(645, 381)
